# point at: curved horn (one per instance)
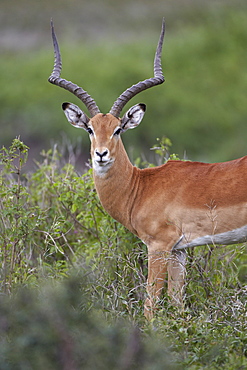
(67, 85)
(143, 85)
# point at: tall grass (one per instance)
(73, 282)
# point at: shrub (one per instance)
(52, 328)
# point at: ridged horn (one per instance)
(143, 85)
(67, 85)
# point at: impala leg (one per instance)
(157, 267)
(158, 264)
(176, 276)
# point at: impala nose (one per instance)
(102, 154)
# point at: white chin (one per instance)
(101, 168)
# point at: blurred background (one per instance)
(109, 45)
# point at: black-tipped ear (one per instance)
(133, 116)
(65, 105)
(75, 115)
(143, 106)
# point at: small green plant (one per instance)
(162, 150)
(16, 221)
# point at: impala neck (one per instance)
(117, 188)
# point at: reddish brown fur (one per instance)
(160, 204)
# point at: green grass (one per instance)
(72, 283)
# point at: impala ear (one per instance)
(75, 115)
(133, 117)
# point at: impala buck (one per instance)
(171, 207)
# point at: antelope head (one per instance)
(104, 129)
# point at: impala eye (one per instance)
(90, 131)
(118, 131)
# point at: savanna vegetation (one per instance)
(72, 280)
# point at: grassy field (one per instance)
(73, 283)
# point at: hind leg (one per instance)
(176, 276)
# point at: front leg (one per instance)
(158, 263)
(157, 267)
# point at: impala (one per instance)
(170, 207)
